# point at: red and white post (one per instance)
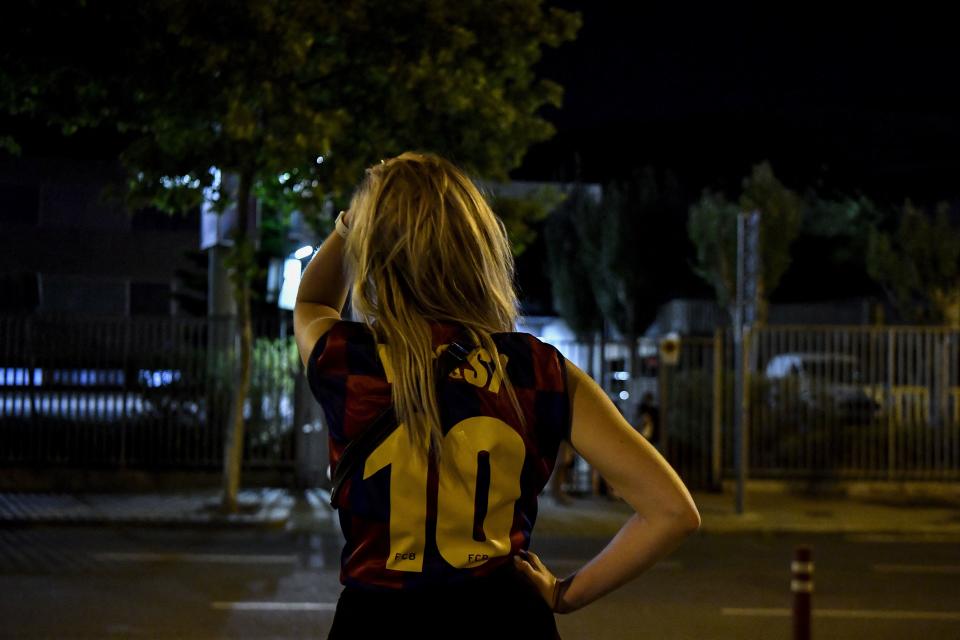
(802, 587)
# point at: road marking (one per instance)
(944, 569)
(862, 614)
(575, 562)
(758, 613)
(275, 606)
(883, 538)
(213, 558)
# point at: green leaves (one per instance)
(919, 265)
(712, 227)
(266, 86)
(570, 261)
(521, 214)
(781, 212)
(607, 255)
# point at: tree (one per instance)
(918, 265)
(833, 239)
(286, 97)
(610, 258)
(638, 261)
(624, 248)
(569, 263)
(520, 214)
(713, 229)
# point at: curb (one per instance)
(266, 509)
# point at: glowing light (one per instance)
(303, 252)
(212, 193)
(180, 181)
(624, 395)
(292, 269)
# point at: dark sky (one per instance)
(839, 101)
(846, 100)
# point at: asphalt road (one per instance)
(150, 583)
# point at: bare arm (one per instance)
(665, 511)
(321, 296)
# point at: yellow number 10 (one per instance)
(479, 473)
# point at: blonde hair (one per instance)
(425, 246)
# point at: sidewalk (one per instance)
(775, 510)
(257, 508)
(768, 510)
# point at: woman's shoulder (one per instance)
(349, 330)
(522, 339)
(342, 337)
(532, 359)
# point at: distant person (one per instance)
(561, 474)
(437, 520)
(648, 419)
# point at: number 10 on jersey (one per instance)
(480, 467)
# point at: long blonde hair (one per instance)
(425, 246)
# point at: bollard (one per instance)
(802, 587)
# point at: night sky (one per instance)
(844, 101)
(840, 102)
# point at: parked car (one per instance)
(823, 386)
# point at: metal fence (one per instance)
(855, 402)
(155, 393)
(140, 393)
(863, 403)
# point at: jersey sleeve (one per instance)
(553, 397)
(565, 417)
(327, 376)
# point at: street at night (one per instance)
(298, 291)
(91, 582)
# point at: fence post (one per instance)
(716, 451)
(891, 414)
(801, 585)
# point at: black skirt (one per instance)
(503, 605)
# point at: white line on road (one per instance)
(943, 569)
(918, 538)
(863, 614)
(275, 606)
(575, 562)
(217, 558)
(758, 613)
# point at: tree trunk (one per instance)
(949, 304)
(242, 257)
(763, 305)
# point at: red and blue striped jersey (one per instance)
(409, 521)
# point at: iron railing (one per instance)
(139, 392)
(864, 403)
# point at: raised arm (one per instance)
(321, 296)
(665, 511)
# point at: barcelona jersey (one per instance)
(409, 521)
